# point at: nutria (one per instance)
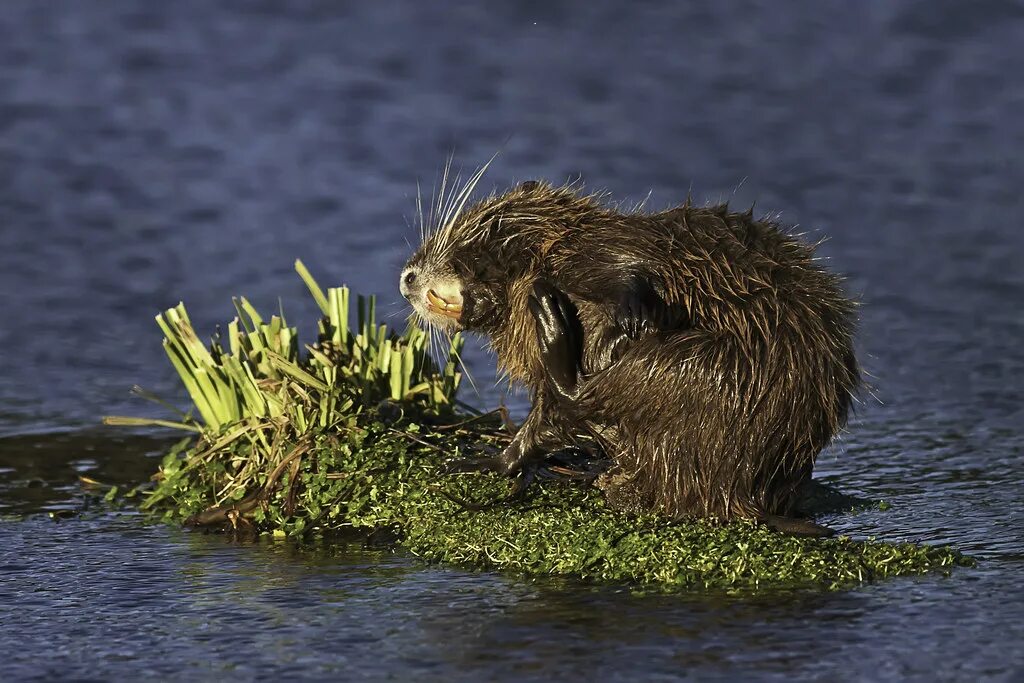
(706, 351)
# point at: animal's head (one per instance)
(463, 273)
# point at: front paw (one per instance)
(559, 335)
(639, 309)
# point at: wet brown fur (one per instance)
(722, 410)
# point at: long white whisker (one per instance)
(435, 214)
(460, 201)
(419, 211)
(433, 210)
(430, 338)
(442, 352)
(430, 334)
(392, 314)
(418, 321)
(453, 192)
(433, 333)
(436, 349)
(465, 369)
(444, 220)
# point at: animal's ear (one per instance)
(529, 185)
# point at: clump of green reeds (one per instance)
(261, 402)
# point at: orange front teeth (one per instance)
(439, 305)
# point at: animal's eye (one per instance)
(410, 277)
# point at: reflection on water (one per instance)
(191, 151)
(116, 592)
(42, 473)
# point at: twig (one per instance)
(418, 440)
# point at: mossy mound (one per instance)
(377, 478)
(354, 436)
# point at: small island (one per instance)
(351, 434)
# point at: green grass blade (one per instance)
(251, 311)
(124, 421)
(294, 371)
(314, 288)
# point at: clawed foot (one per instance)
(639, 310)
(559, 335)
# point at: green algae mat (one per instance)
(352, 432)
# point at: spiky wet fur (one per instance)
(721, 412)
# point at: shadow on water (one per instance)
(41, 473)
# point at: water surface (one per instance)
(151, 153)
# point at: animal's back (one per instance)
(723, 412)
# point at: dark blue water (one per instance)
(157, 152)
